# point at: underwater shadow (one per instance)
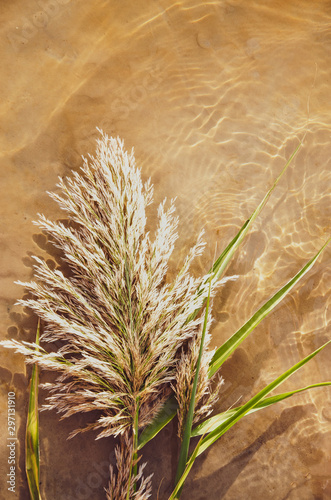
(219, 482)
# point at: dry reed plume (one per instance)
(125, 342)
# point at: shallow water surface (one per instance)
(214, 96)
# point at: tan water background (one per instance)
(214, 96)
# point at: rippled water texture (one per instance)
(213, 96)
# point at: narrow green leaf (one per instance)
(32, 434)
(214, 435)
(166, 414)
(189, 419)
(213, 422)
(223, 352)
(221, 263)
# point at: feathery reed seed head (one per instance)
(121, 328)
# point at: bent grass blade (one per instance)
(212, 423)
(32, 434)
(214, 435)
(221, 263)
(223, 352)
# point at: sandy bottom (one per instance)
(214, 96)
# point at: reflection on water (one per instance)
(214, 96)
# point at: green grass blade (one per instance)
(166, 414)
(189, 419)
(213, 422)
(241, 412)
(221, 263)
(32, 434)
(223, 352)
(214, 435)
